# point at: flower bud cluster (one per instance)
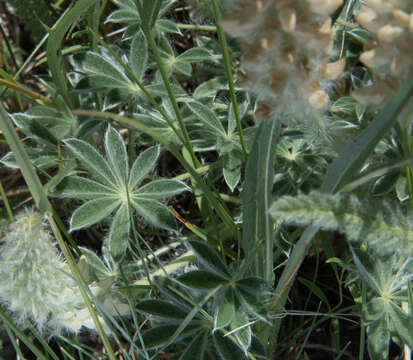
(34, 280)
(388, 55)
(287, 45)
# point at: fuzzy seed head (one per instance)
(33, 278)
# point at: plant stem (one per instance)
(6, 202)
(230, 78)
(197, 27)
(201, 170)
(172, 97)
(27, 92)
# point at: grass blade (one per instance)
(57, 33)
(259, 175)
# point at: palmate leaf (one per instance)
(114, 189)
(232, 171)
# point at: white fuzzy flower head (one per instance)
(33, 278)
(287, 45)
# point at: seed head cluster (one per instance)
(287, 45)
(34, 283)
(388, 55)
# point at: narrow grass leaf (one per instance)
(116, 154)
(143, 165)
(23, 162)
(94, 162)
(161, 189)
(56, 35)
(92, 212)
(315, 289)
(119, 233)
(257, 198)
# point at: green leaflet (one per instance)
(92, 212)
(138, 57)
(143, 165)
(207, 117)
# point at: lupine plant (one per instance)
(208, 180)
